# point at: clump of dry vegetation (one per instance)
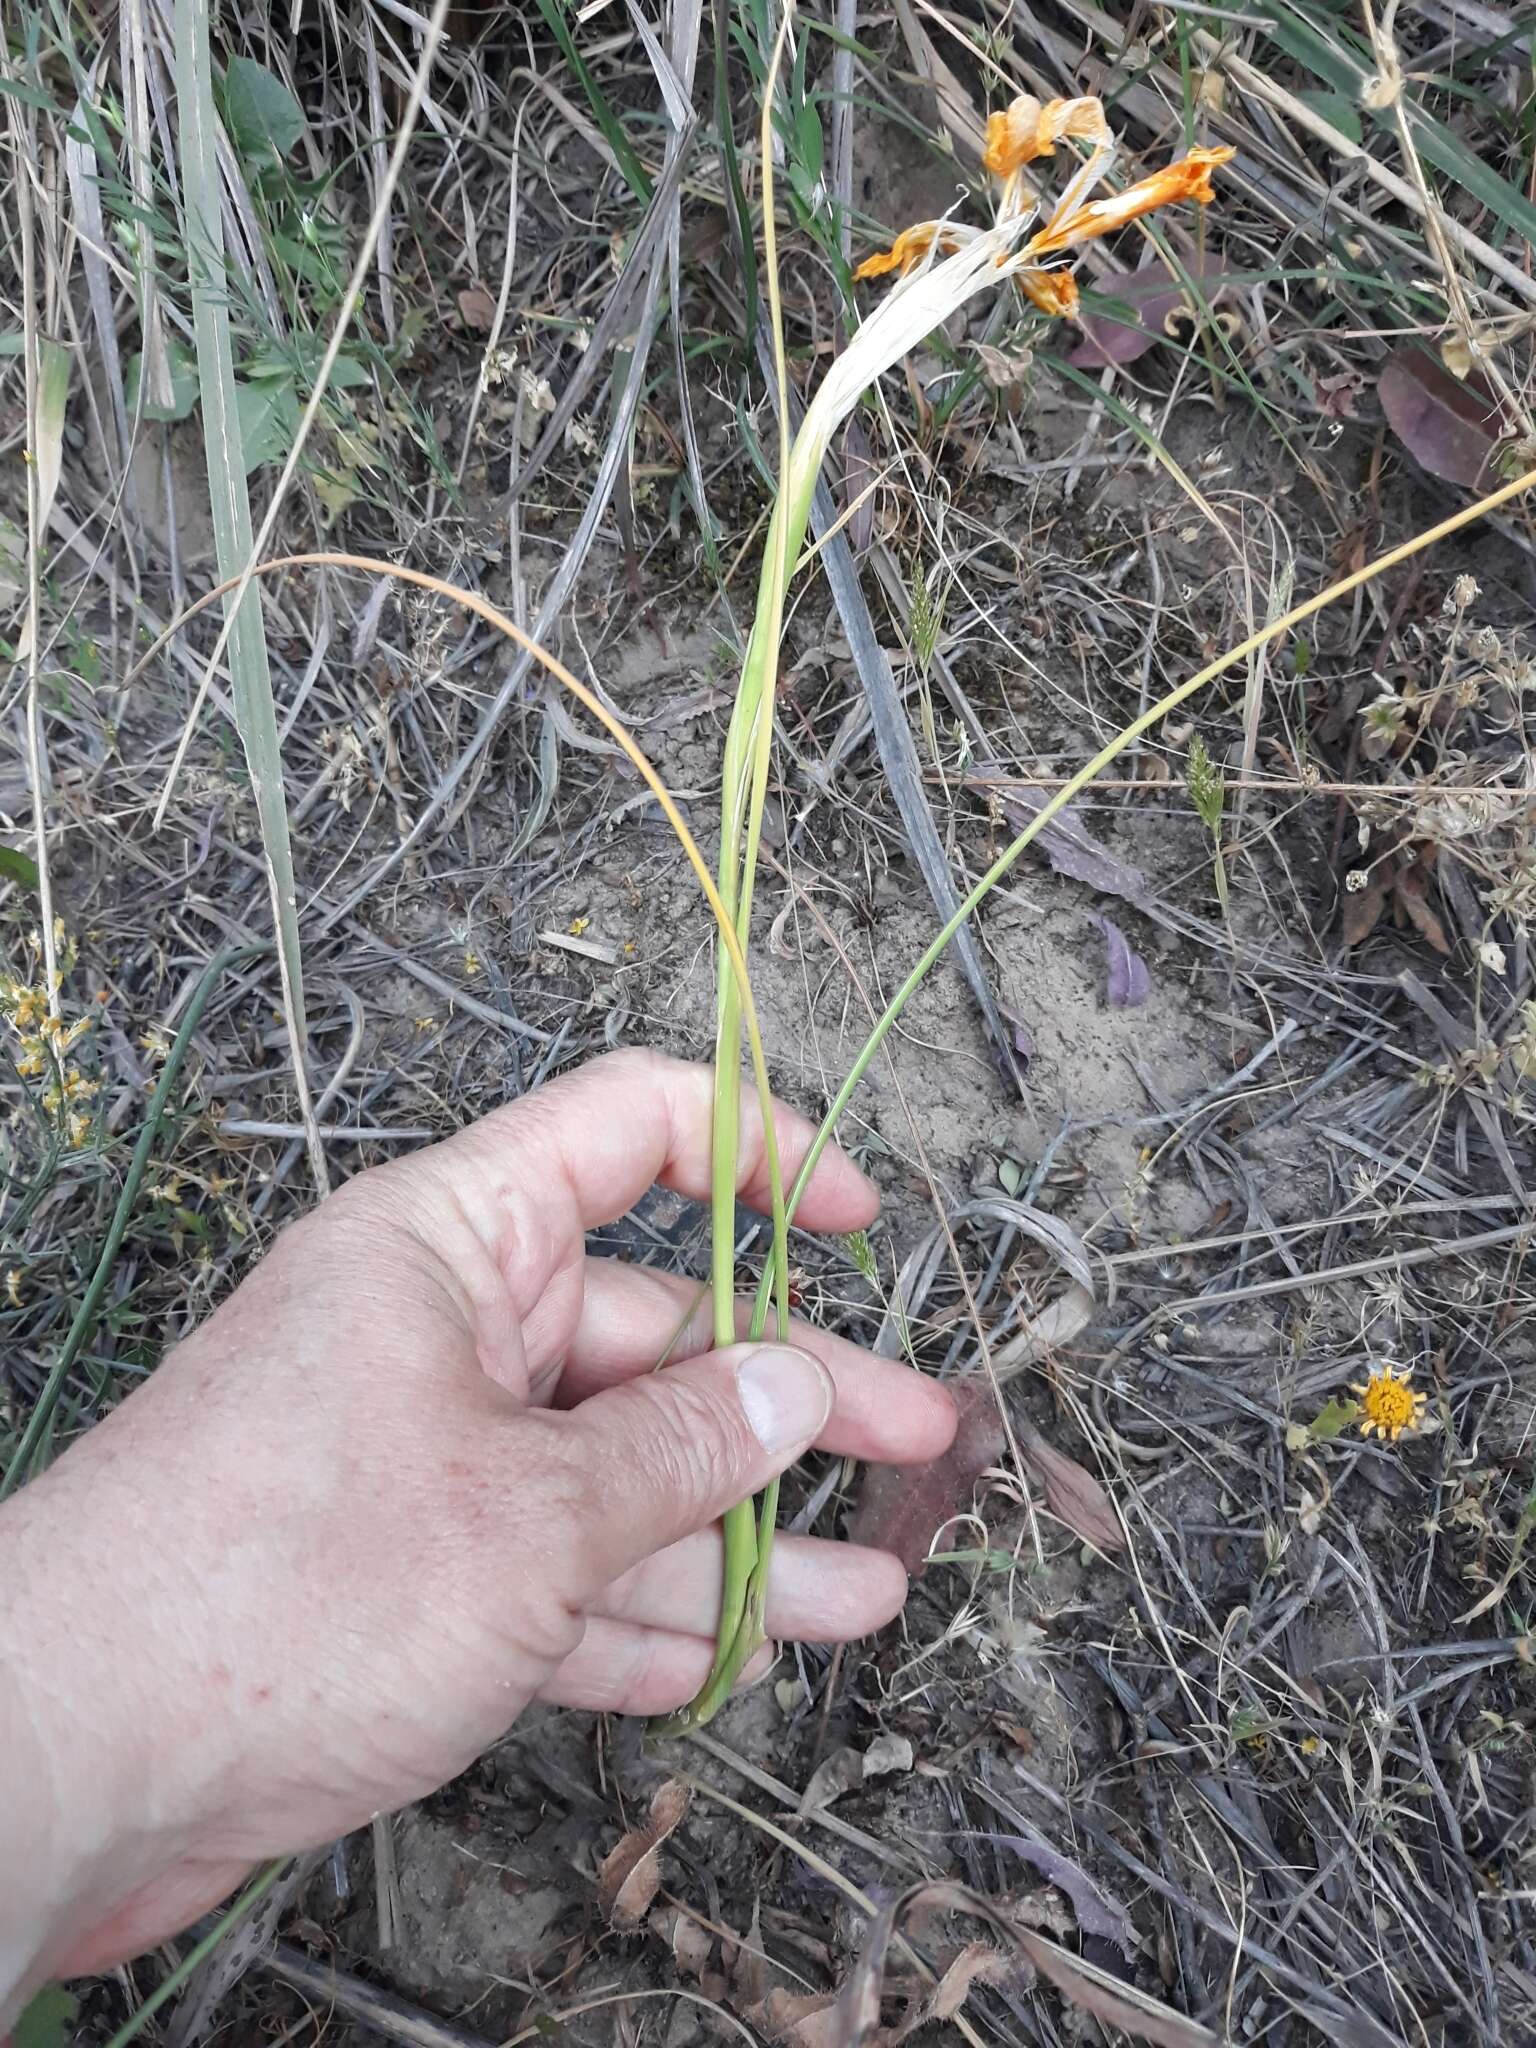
(1207, 1147)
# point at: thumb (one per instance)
(670, 1451)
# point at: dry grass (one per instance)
(1287, 1728)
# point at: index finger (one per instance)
(607, 1132)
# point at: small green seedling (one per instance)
(1208, 794)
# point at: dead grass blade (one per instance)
(42, 477)
(894, 741)
(1105, 1998)
(255, 710)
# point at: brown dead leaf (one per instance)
(976, 1964)
(1451, 426)
(796, 2019)
(832, 1777)
(628, 1876)
(887, 1753)
(692, 1946)
(1409, 894)
(477, 309)
(1362, 908)
(1073, 1495)
(903, 1506)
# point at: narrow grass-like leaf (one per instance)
(607, 119)
(255, 711)
(1347, 73)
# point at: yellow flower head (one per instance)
(1389, 1405)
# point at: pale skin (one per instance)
(415, 1473)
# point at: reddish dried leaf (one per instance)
(1449, 425)
(1149, 298)
(629, 1875)
(1152, 301)
(1073, 1495)
(1408, 893)
(902, 1506)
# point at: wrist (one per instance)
(98, 1788)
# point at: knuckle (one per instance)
(700, 1446)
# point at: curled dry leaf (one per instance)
(1451, 426)
(832, 1777)
(1404, 883)
(887, 1753)
(1410, 894)
(629, 1875)
(903, 1506)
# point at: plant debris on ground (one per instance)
(1206, 1155)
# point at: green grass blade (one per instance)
(255, 711)
(607, 119)
(39, 1423)
(1347, 70)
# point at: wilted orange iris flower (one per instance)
(910, 247)
(1053, 292)
(1026, 130)
(1017, 136)
(1189, 178)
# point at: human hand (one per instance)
(414, 1473)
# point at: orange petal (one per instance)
(908, 249)
(1026, 130)
(1189, 178)
(1054, 292)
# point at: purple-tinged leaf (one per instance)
(1109, 338)
(1095, 1913)
(1451, 426)
(1070, 847)
(1129, 982)
(1150, 298)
